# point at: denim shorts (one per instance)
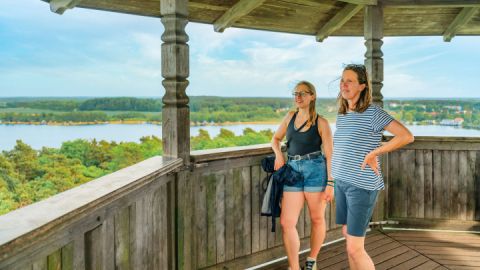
(314, 175)
(354, 207)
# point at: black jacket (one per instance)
(285, 175)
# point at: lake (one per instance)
(38, 136)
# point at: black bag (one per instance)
(268, 164)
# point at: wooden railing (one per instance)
(124, 220)
(227, 194)
(435, 182)
(160, 214)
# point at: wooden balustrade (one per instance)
(159, 214)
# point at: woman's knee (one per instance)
(354, 250)
(317, 220)
(288, 223)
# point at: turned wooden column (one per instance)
(373, 31)
(176, 130)
(175, 71)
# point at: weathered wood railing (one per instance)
(159, 214)
(435, 182)
(227, 193)
(124, 220)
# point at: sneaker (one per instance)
(310, 265)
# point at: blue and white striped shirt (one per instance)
(356, 135)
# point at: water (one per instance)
(38, 136)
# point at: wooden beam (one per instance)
(59, 6)
(462, 18)
(361, 2)
(338, 21)
(431, 3)
(240, 9)
(207, 6)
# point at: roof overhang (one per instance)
(320, 18)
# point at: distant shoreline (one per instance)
(137, 122)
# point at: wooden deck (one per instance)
(402, 249)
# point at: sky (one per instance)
(95, 53)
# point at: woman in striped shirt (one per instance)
(355, 164)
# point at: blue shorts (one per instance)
(354, 207)
(314, 175)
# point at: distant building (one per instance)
(459, 120)
(449, 122)
(452, 107)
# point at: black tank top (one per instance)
(302, 143)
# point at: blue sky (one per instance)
(94, 53)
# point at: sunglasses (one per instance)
(300, 94)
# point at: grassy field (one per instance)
(25, 110)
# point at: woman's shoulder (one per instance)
(374, 108)
(321, 120)
(288, 117)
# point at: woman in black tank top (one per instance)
(306, 132)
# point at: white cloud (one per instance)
(149, 46)
(91, 52)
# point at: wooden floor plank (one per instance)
(419, 250)
(460, 268)
(336, 254)
(459, 263)
(448, 250)
(441, 267)
(466, 241)
(429, 265)
(448, 256)
(396, 260)
(340, 247)
(414, 262)
(441, 244)
(431, 233)
(387, 251)
(379, 257)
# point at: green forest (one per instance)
(28, 175)
(206, 110)
(203, 110)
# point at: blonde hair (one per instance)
(365, 96)
(311, 107)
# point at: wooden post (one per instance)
(373, 31)
(176, 124)
(175, 70)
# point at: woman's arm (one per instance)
(277, 139)
(402, 137)
(327, 142)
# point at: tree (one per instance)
(25, 161)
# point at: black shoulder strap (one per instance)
(303, 125)
(294, 117)
(316, 122)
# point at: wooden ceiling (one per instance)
(320, 18)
